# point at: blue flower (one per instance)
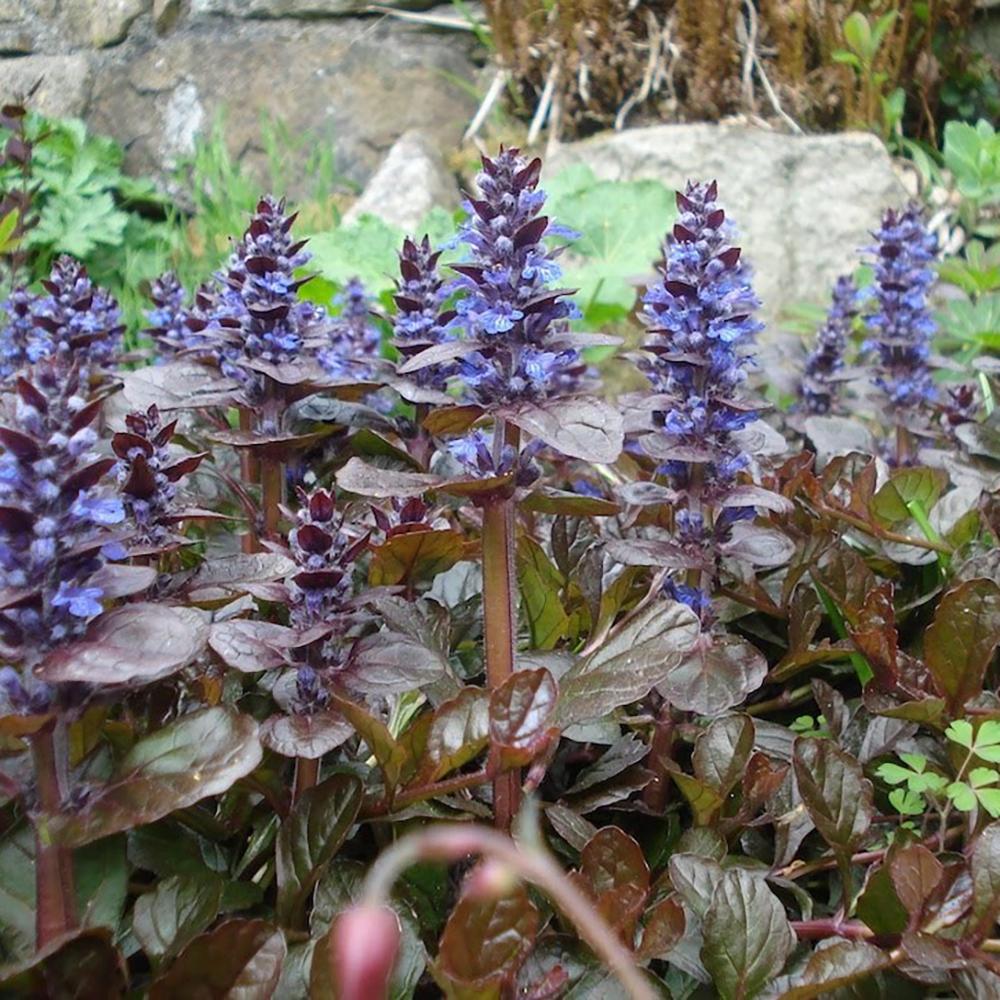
(98, 509)
(353, 338)
(82, 602)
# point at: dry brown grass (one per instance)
(608, 61)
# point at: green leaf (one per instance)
(621, 225)
(199, 755)
(521, 715)
(960, 732)
(17, 893)
(835, 792)
(310, 837)
(175, 913)
(541, 606)
(629, 664)
(414, 556)
(390, 755)
(747, 936)
(367, 249)
(920, 485)
(959, 645)
(907, 802)
(486, 940)
(962, 796)
(239, 958)
(101, 875)
(858, 34)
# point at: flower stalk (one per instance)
(452, 843)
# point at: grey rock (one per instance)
(410, 182)
(355, 84)
(166, 14)
(803, 205)
(15, 40)
(298, 8)
(101, 22)
(65, 82)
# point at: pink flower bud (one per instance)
(364, 945)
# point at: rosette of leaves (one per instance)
(148, 473)
(697, 352)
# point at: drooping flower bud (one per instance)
(365, 941)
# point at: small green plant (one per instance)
(880, 111)
(919, 787)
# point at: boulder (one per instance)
(65, 82)
(357, 84)
(101, 22)
(802, 204)
(410, 182)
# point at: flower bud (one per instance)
(365, 940)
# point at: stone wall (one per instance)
(155, 73)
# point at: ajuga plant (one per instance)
(735, 704)
(697, 353)
(824, 370)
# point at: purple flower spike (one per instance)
(507, 303)
(700, 335)
(56, 515)
(354, 339)
(820, 386)
(901, 324)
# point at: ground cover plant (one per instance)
(362, 647)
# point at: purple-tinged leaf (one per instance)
(368, 481)
(201, 754)
(458, 733)
(309, 736)
(658, 552)
(485, 941)
(662, 929)
(134, 644)
(959, 645)
(837, 967)
(580, 427)
(915, 874)
(722, 751)
(251, 646)
(747, 936)
(985, 868)
(758, 545)
(713, 676)
(521, 716)
(629, 664)
(438, 354)
(308, 840)
(836, 794)
(546, 500)
(757, 496)
(239, 958)
(414, 556)
(84, 964)
(388, 663)
(175, 912)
